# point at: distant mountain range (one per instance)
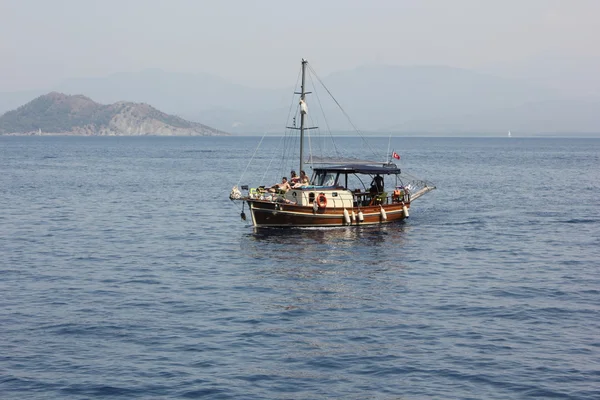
(381, 99)
(57, 113)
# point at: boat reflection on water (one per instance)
(370, 235)
(368, 245)
(300, 270)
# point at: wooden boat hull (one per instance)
(269, 214)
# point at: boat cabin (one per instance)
(338, 175)
(347, 185)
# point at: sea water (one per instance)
(126, 272)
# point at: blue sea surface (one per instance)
(126, 272)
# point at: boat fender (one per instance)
(346, 216)
(383, 214)
(405, 211)
(361, 217)
(315, 206)
(322, 200)
(353, 215)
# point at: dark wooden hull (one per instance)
(269, 214)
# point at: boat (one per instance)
(338, 192)
(509, 135)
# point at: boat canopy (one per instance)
(383, 169)
(337, 161)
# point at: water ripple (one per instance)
(126, 273)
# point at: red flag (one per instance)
(396, 155)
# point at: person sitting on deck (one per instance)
(294, 178)
(284, 186)
(303, 180)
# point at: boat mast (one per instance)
(302, 114)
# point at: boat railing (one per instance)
(268, 194)
(361, 198)
(383, 198)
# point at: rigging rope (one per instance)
(335, 149)
(251, 158)
(288, 142)
(343, 111)
(263, 137)
(271, 161)
(288, 132)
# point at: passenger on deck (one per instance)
(303, 180)
(294, 178)
(377, 184)
(283, 186)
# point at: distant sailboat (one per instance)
(509, 134)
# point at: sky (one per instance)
(260, 43)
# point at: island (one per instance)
(61, 114)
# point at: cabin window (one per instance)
(357, 184)
(324, 178)
(311, 197)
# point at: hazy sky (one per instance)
(260, 43)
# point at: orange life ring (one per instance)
(322, 200)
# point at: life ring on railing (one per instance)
(322, 200)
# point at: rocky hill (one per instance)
(60, 114)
